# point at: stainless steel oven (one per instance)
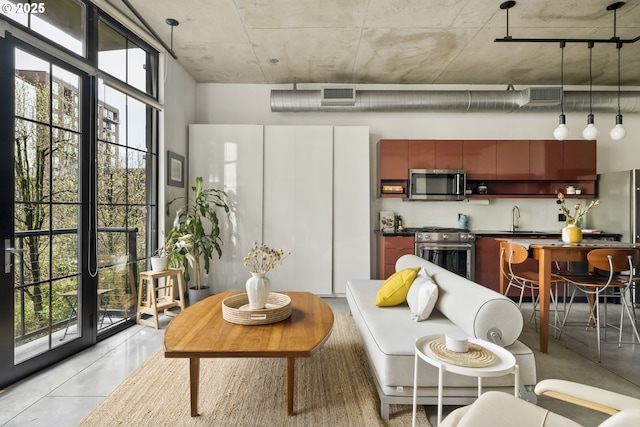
(452, 249)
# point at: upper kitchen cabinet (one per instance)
(579, 160)
(512, 159)
(546, 159)
(393, 158)
(449, 154)
(422, 154)
(479, 159)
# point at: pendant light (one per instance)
(562, 131)
(591, 131)
(618, 132)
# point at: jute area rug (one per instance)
(332, 388)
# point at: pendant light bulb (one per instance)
(591, 132)
(562, 131)
(618, 132)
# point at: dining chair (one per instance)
(516, 254)
(611, 276)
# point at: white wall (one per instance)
(250, 104)
(179, 98)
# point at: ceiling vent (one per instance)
(338, 96)
(542, 96)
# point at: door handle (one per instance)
(8, 250)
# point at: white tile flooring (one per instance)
(63, 394)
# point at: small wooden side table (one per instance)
(154, 302)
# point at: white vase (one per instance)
(571, 234)
(257, 290)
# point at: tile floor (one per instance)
(63, 394)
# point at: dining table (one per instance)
(546, 252)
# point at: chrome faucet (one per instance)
(515, 214)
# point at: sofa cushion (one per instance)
(422, 296)
(472, 307)
(394, 290)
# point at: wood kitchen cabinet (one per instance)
(422, 154)
(488, 264)
(546, 159)
(512, 159)
(579, 159)
(390, 248)
(449, 154)
(393, 159)
(479, 159)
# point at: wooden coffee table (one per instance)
(201, 331)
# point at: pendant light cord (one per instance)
(619, 46)
(590, 78)
(562, 45)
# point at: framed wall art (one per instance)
(175, 169)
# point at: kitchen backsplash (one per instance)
(535, 214)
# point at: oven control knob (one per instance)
(445, 237)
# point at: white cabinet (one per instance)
(304, 189)
(298, 206)
(229, 157)
(351, 206)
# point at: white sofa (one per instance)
(463, 306)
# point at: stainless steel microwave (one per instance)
(437, 184)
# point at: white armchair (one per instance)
(499, 409)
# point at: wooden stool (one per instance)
(154, 303)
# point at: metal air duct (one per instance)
(300, 101)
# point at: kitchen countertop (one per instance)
(518, 233)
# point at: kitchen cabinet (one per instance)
(479, 159)
(298, 207)
(393, 159)
(512, 159)
(230, 157)
(546, 159)
(390, 248)
(579, 159)
(351, 206)
(422, 154)
(510, 168)
(488, 264)
(449, 154)
(304, 189)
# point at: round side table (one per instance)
(505, 364)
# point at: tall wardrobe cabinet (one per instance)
(304, 189)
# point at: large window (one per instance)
(63, 22)
(81, 201)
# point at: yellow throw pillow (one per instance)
(394, 290)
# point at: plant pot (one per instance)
(159, 263)
(571, 234)
(196, 295)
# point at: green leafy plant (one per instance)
(196, 230)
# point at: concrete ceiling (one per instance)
(394, 41)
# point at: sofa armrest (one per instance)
(595, 398)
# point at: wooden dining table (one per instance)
(547, 251)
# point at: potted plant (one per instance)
(196, 234)
(160, 258)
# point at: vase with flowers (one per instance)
(260, 260)
(571, 233)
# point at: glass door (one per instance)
(44, 305)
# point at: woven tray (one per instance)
(235, 309)
(476, 357)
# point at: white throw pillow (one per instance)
(422, 296)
